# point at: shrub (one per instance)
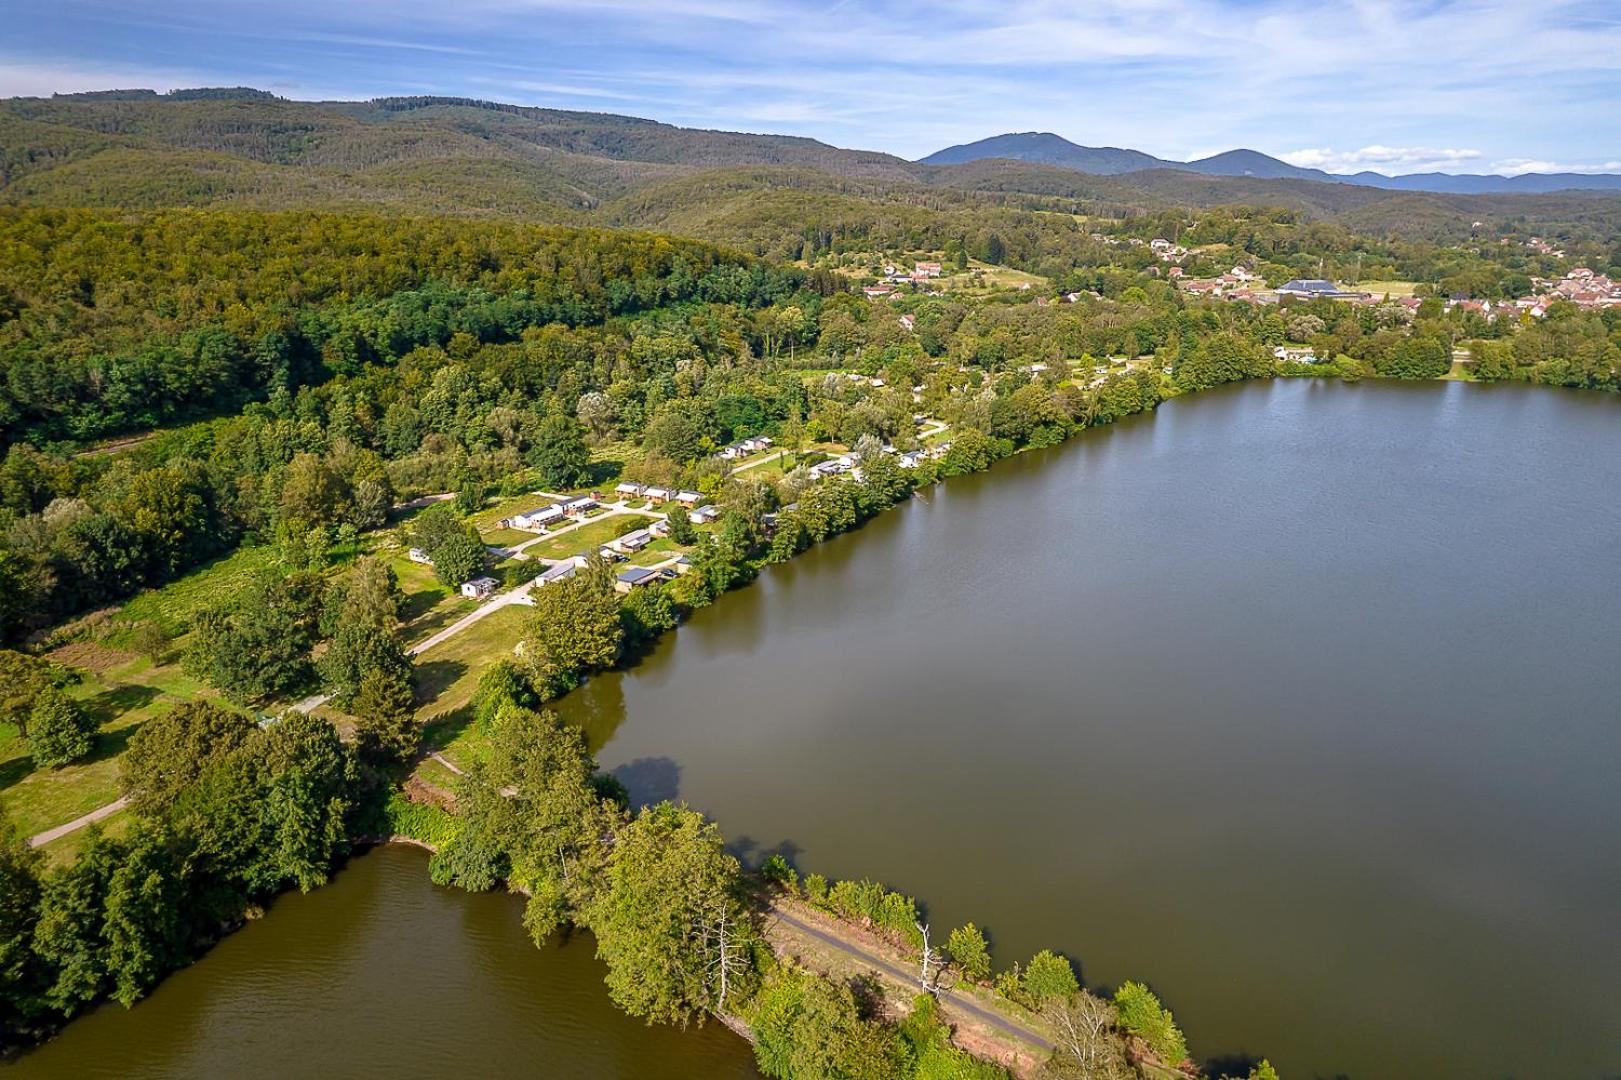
(59, 731)
(970, 952)
(778, 870)
(1049, 976)
(1142, 1015)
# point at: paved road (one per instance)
(41, 839)
(910, 977)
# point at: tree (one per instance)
(59, 730)
(142, 913)
(314, 493)
(1050, 976)
(559, 452)
(357, 650)
(23, 679)
(386, 728)
(806, 1026)
(308, 797)
(152, 641)
(575, 628)
(1082, 1027)
(20, 975)
(69, 937)
(459, 556)
(647, 613)
(370, 596)
(667, 914)
(258, 646)
(170, 751)
(681, 527)
(969, 951)
(1142, 1015)
(673, 434)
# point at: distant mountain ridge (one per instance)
(1045, 148)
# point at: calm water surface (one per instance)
(380, 974)
(1297, 700)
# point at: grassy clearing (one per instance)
(176, 604)
(505, 537)
(430, 604)
(1393, 289)
(448, 673)
(122, 699)
(588, 536)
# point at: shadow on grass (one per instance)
(434, 677)
(440, 731)
(604, 470)
(109, 705)
(13, 771)
(418, 604)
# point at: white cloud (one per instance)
(1519, 166)
(1385, 159)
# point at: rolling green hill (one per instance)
(768, 193)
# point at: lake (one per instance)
(381, 974)
(1296, 700)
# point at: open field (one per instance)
(591, 535)
(174, 605)
(448, 673)
(1393, 289)
(122, 698)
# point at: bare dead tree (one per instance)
(1082, 1024)
(727, 958)
(932, 963)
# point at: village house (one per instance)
(629, 489)
(908, 322)
(561, 571)
(635, 577)
(478, 588)
(632, 541)
(534, 521)
(878, 292)
(705, 514)
(689, 499)
(1295, 355)
(1315, 289)
(656, 494)
(417, 555)
(660, 528)
(928, 269)
(578, 507)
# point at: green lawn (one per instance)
(448, 673)
(506, 537)
(586, 538)
(122, 698)
(65, 849)
(430, 604)
(1393, 289)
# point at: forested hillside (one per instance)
(457, 156)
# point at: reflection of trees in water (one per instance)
(650, 780)
(597, 708)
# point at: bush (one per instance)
(779, 871)
(969, 951)
(1049, 976)
(59, 731)
(1142, 1015)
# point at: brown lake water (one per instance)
(1299, 701)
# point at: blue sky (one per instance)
(1393, 85)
